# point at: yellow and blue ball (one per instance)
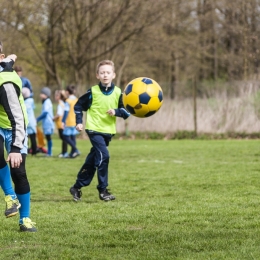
(142, 97)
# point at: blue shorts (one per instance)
(47, 131)
(7, 136)
(31, 130)
(70, 130)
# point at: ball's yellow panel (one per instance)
(152, 90)
(124, 100)
(131, 99)
(141, 111)
(157, 85)
(139, 87)
(154, 104)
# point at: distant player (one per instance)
(103, 103)
(13, 121)
(69, 122)
(31, 127)
(26, 83)
(46, 117)
(60, 97)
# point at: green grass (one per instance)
(175, 200)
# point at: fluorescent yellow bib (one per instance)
(97, 118)
(11, 77)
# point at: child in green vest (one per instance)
(13, 123)
(102, 103)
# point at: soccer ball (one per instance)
(142, 97)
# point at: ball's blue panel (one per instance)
(160, 96)
(150, 113)
(144, 98)
(128, 89)
(147, 81)
(130, 109)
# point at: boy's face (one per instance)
(106, 74)
(43, 96)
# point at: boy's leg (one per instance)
(85, 175)
(33, 143)
(12, 203)
(22, 189)
(87, 171)
(71, 143)
(100, 143)
(49, 144)
(63, 143)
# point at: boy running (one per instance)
(103, 103)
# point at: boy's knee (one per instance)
(105, 157)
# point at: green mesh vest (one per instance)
(11, 77)
(97, 118)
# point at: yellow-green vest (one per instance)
(97, 118)
(12, 77)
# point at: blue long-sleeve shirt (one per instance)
(85, 101)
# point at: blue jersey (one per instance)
(47, 117)
(29, 103)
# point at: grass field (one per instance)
(175, 200)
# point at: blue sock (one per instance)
(49, 147)
(24, 200)
(5, 182)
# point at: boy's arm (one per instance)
(121, 111)
(83, 104)
(8, 62)
(42, 116)
(9, 94)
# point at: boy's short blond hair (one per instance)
(105, 62)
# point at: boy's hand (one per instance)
(79, 127)
(15, 159)
(12, 57)
(62, 125)
(111, 112)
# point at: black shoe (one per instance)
(76, 193)
(106, 196)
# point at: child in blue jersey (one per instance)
(13, 138)
(47, 117)
(31, 127)
(102, 103)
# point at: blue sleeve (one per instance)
(121, 111)
(65, 115)
(42, 116)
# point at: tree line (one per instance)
(171, 41)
